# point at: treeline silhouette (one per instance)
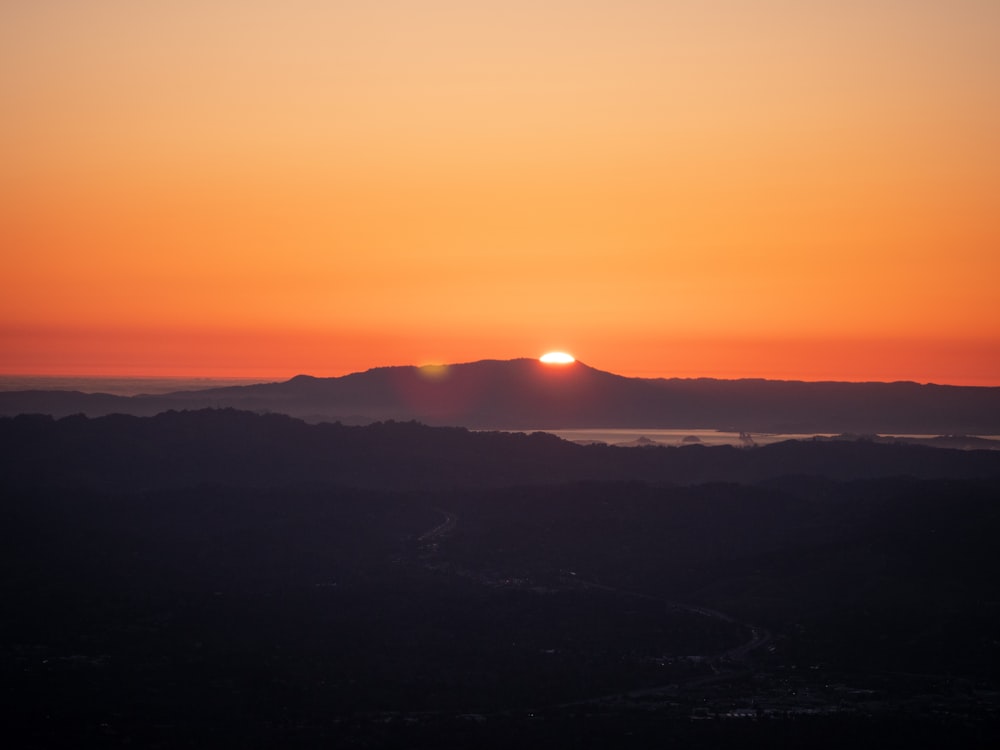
(179, 449)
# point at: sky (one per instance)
(779, 188)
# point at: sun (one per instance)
(557, 358)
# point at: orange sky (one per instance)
(775, 188)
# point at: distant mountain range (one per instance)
(527, 394)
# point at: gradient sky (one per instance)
(787, 189)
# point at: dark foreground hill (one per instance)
(182, 449)
(526, 394)
(219, 578)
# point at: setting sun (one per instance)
(260, 190)
(557, 358)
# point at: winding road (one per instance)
(442, 529)
(758, 636)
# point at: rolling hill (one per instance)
(526, 394)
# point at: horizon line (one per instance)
(285, 376)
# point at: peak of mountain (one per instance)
(527, 394)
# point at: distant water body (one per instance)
(639, 437)
(672, 437)
(118, 386)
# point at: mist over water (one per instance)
(638, 437)
(672, 437)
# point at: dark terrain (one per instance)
(224, 578)
(524, 394)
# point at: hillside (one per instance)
(181, 449)
(526, 394)
(252, 580)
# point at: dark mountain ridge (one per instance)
(527, 394)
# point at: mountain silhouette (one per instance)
(527, 394)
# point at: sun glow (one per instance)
(557, 358)
(231, 165)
